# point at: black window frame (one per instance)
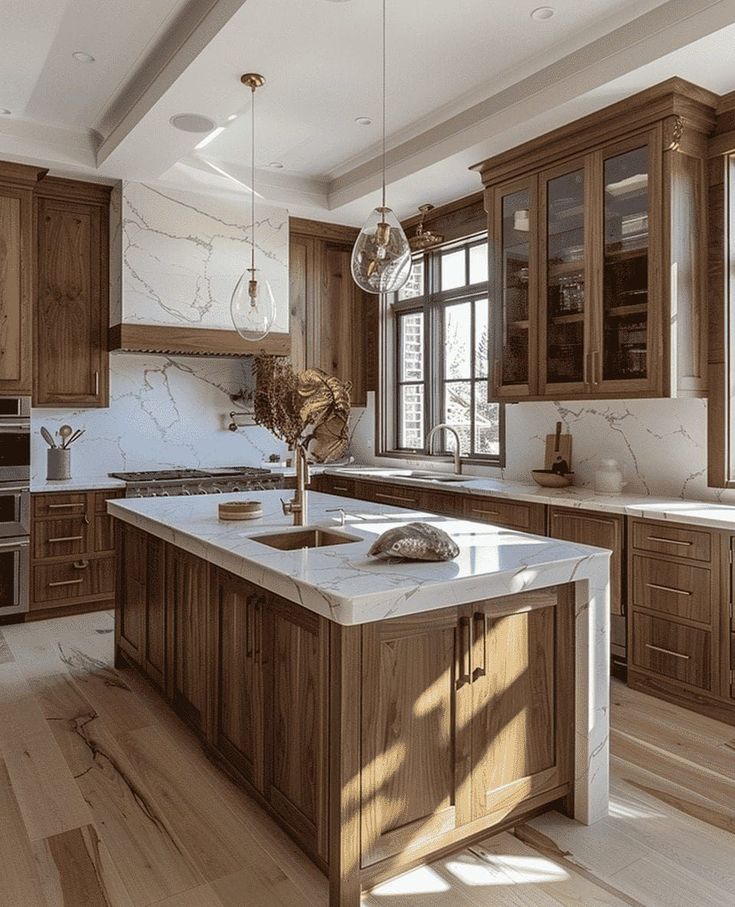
(432, 304)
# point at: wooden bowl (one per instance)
(241, 510)
(549, 479)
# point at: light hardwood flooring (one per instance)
(107, 799)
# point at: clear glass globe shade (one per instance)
(381, 257)
(253, 309)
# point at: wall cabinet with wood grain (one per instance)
(333, 322)
(71, 361)
(598, 253)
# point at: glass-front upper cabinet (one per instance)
(564, 310)
(514, 282)
(628, 311)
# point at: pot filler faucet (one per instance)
(430, 437)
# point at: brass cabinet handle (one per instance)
(96, 384)
(80, 565)
(480, 618)
(658, 538)
(66, 582)
(667, 651)
(340, 488)
(465, 643)
(66, 538)
(668, 589)
(64, 506)
(486, 512)
(391, 497)
(595, 367)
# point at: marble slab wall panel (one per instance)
(182, 254)
(164, 412)
(660, 444)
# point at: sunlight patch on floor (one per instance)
(495, 868)
(423, 880)
(620, 810)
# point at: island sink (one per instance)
(305, 538)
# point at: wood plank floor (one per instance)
(107, 799)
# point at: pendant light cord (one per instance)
(252, 184)
(384, 96)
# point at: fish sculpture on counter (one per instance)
(415, 542)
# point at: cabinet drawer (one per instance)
(511, 514)
(395, 495)
(672, 650)
(662, 538)
(332, 485)
(72, 580)
(60, 538)
(59, 505)
(677, 589)
(444, 502)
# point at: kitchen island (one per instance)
(382, 712)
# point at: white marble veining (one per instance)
(343, 584)
(88, 483)
(182, 254)
(164, 412)
(661, 445)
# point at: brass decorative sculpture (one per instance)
(310, 411)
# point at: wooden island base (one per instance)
(376, 747)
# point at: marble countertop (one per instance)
(341, 582)
(676, 510)
(85, 483)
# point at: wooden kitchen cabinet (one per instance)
(521, 516)
(17, 258)
(71, 359)
(333, 322)
(598, 256)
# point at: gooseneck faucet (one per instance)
(430, 437)
(298, 505)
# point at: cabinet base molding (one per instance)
(60, 611)
(721, 710)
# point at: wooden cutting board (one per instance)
(564, 451)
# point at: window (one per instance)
(438, 334)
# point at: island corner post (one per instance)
(382, 745)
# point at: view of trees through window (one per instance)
(442, 343)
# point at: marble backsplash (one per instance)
(164, 412)
(179, 256)
(660, 444)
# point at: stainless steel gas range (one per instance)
(218, 480)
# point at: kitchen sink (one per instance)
(437, 477)
(305, 538)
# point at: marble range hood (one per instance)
(175, 257)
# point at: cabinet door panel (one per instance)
(186, 605)
(601, 531)
(238, 634)
(409, 789)
(522, 695)
(72, 306)
(132, 589)
(296, 677)
(14, 342)
(154, 653)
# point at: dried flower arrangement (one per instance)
(309, 409)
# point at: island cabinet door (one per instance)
(519, 738)
(296, 694)
(413, 687)
(132, 592)
(187, 598)
(237, 643)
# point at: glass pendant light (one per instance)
(381, 257)
(253, 306)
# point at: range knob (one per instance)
(235, 488)
(201, 490)
(185, 491)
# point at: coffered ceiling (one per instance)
(466, 79)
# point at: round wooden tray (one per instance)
(240, 510)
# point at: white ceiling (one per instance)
(466, 79)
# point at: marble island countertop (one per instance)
(677, 510)
(341, 582)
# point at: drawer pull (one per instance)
(339, 488)
(658, 538)
(66, 538)
(65, 506)
(667, 651)
(391, 497)
(81, 565)
(66, 582)
(668, 589)
(487, 512)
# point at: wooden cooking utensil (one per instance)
(47, 437)
(65, 432)
(558, 447)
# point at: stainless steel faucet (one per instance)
(298, 505)
(444, 427)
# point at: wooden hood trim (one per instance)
(189, 341)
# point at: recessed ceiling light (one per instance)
(4, 112)
(192, 122)
(276, 165)
(82, 57)
(542, 13)
(363, 121)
